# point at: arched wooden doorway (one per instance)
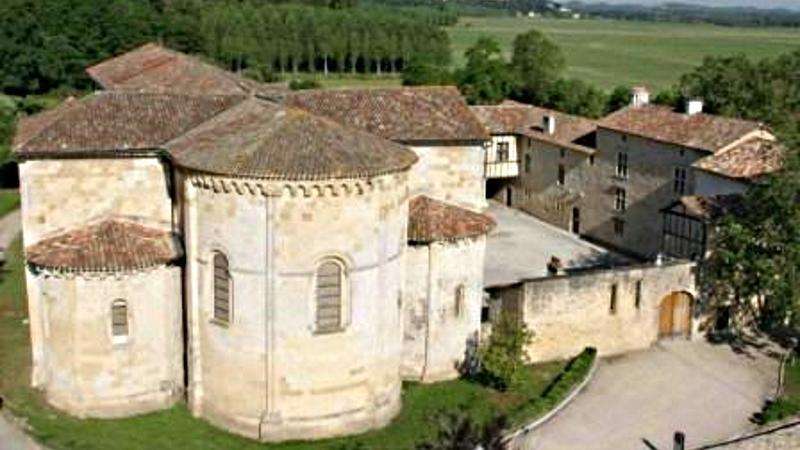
(675, 315)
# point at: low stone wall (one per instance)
(568, 313)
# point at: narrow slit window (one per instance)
(119, 318)
(622, 165)
(562, 175)
(638, 295)
(612, 308)
(222, 289)
(329, 292)
(459, 301)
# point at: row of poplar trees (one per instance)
(267, 38)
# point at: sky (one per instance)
(791, 4)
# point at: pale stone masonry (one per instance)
(284, 261)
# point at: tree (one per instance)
(457, 431)
(619, 98)
(424, 70)
(504, 356)
(537, 63)
(755, 253)
(576, 97)
(485, 79)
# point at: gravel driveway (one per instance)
(637, 401)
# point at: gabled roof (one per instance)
(432, 220)
(510, 117)
(749, 160)
(406, 114)
(115, 122)
(706, 207)
(698, 131)
(265, 140)
(109, 246)
(155, 69)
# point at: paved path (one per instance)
(707, 391)
(12, 438)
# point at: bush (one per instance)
(460, 431)
(297, 85)
(503, 356)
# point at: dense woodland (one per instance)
(45, 45)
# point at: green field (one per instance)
(609, 53)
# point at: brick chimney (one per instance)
(549, 124)
(640, 96)
(694, 106)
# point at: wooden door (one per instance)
(682, 318)
(675, 315)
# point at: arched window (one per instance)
(330, 290)
(222, 289)
(459, 300)
(119, 319)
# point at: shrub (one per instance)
(459, 431)
(297, 85)
(503, 356)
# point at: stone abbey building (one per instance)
(284, 260)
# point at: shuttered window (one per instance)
(119, 318)
(329, 292)
(222, 289)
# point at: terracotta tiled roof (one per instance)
(749, 160)
(111, 245)
(400, 114)
(699, 131)
(707, 207)
(512, 117)
(431, 220)
(155, 69)
(115, 122)
(265, 140)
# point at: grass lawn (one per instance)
(609, 52)
(335, 80)
(9, 201)
(789, 403)
(176, 429)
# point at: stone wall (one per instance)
(60, 194)
(453, 174)
(538, 192)
(569, 313)
(285, 380)
(436, 330)
(649, 188)
(707, 183)
(82, 368)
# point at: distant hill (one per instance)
(761, 4)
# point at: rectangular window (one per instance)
(620, 200)
(485, 316)
(502, 151)
(622, 165)
(528, 163)
(563, 153)
(619, 227)
(591, 160)
(679, 181)
(612, 308)
(638, 295)
(562, 174)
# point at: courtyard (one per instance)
(521, 245)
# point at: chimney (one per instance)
(640, 96)
(694, 106)
(549, 124)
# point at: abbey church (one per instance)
(283, 260)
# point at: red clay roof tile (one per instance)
(748, 160)
(108, 246)
(265, 140)
(432, 220)
(401, 114)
